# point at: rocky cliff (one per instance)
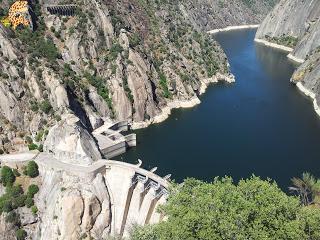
(293, 23)
(111, 60)
(297, 24)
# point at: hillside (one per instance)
(111, 60)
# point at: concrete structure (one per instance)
(63, 10)
(135, 193)
(110, 140)
(18, 159)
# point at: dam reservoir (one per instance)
(261, 124)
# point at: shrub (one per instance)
(32, 146)
(45, 106)
(20, 201)
(34, 209)
(32, 169)
(40, 148)
(13, 218)
(7, 176)
(39, 136)
(21, 234)
(29, 202)
(32, 190)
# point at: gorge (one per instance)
(74, 74)
(265, 126)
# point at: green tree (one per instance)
(32, 169)
(251, 209)
(32, 190)
(21, 234)
(29, 202)
(7, 176)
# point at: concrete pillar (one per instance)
(133, 214)
(119, 188)
(156, 216)
(148, 202)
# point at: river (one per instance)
(259, 125)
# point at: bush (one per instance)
(6, 206)
(20, 201)
(40, 148)
(32, 190)
(7, 176)
(32, 146)
(13, 218)
(32, 169)
(21, 234)
(29, 202)
(45, 106)
(34, 209)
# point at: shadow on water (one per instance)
(259, 125)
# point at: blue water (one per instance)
(259, 125)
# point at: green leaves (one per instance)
(251, 209)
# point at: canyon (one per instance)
(88, 64)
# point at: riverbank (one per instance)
(283, 48)
(176, 104)
(273, 45)
(232, 28)
(310, 94)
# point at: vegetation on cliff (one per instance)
(18, 194)
(222, 209)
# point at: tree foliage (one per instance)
(251, 209)
(7, 176)
(32, 169)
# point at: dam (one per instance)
(135, 193)
(260, 124)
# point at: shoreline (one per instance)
(176, 104)
(232, 28)
(283, 48)
(273, 45)
(309, 94)
(295, 59)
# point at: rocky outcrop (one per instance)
(71, 142)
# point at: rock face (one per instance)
(71, 142)
(300, 20)
(297, 19)
(72, 207)
(112, 60)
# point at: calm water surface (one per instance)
(259, 125)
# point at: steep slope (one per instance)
(111, 60)
(297, 24)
